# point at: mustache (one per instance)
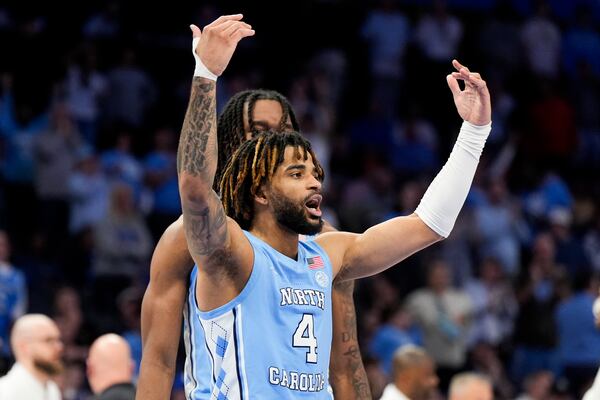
(315, 192)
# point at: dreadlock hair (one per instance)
(253, 165)
(230, 126)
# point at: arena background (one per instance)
(93, 95)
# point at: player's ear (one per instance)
(261, 197)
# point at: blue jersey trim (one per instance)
(237, 354)
(188, 322)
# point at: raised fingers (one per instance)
(195, 31)
(453, 84)
(223, 18)
(229, 30)
(472, 78)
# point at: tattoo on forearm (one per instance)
(352, 364)
(199, 125)
(205, 224)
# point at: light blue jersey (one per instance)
(273, 340)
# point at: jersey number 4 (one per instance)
(305, 337)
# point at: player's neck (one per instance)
(275, 235)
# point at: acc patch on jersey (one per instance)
(322, 279)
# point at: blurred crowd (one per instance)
(91, 105)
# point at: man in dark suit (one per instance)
(110, 368)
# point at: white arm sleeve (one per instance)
(446, 195)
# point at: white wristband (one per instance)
(201, 69)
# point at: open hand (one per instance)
(473, 102)
(218, 40)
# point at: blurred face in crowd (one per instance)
(491, 271)
(539, 385)
(122, 199)
(266, 115)
(439, 276)
(543, 248)
(422, 379)
(37, 344)
(473, 390)
(46, 351)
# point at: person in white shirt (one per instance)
(414, 375)
(470, 386)
(594, 391)
(37, 347)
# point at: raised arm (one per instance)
(388, 243)
(204, 220)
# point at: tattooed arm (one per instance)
(209, 233)
(347, 372)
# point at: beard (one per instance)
(51, 368)
(294, 216)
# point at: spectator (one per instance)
(396, 331)
(161, 178)
(69, 319)
(119, 163)
(415, 145)
(495, 305)
(414, 375)
(387, 31)
(72, 382)
(130, 309)
(36, 344)
(537, 385)
(582, 44)
(578, 338)
(591, 243)
(443, 314)
(110, 369)
(122, 249)
(131, 91)
(486, 360)
(470, 386)
(535, 333)
(55, 152)
(439, 34)
(541, 39)
(13, 299)
(89, 192)
(85, 88)
(569, 250)
(104, 24)
(499, 228)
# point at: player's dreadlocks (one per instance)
(253, 165)
(230, 126)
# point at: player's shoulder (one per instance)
(171, 253)
(175, 233)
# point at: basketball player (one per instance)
(246, 112)
(259, 308)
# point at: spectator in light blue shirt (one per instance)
(578, 338)
(13, 294)
(397, 331)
